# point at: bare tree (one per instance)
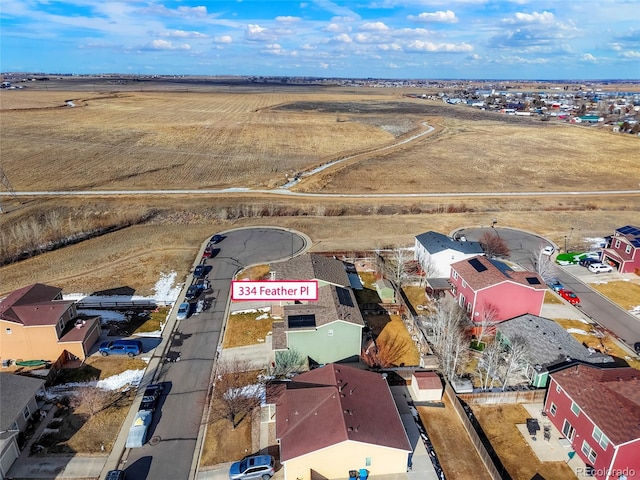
(493, 245)
(427, 264)
(386, 352)
(450, 341)
(544, 265)
(237, 391)
(515, 359)
(487, 320)
(395, 265)
(92, 399)
(489, 364)
(288, 361)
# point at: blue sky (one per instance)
(493, 39)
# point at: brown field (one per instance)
(625, 294)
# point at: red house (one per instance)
(623, 249)
(598, 411)
(491, 291)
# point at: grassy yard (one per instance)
(625, 294)
(550, 297)
(99, 368)
(150, 322)
(499, 423)
(257, 272)
(416, 296)
(247, 329)
(391, 330)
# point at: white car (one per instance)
(600, 267)
(183, 311)
(548, 250)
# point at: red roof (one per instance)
(333, 404)
(482, 272)
(610, 397)
(428, 380)
(34, 305)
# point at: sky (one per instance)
(409, 39)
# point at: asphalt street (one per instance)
(171, 451)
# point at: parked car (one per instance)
(183, 311)
(199, 307)
(203, 284)
(192, 292)
(255, 467)
(217, 238)
(115, 475)
(600, 267)
(121, 347)
(555, 285)
(569, 296)
(199, 271)
(150, 398)
(138, 432)
(586, 261)
(548, 250)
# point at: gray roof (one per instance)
(435, 242)
(328, 308)
(547, 342)
(15, 393)
(312, 266)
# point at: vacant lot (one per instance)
(247, 329)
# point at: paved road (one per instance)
(523, 246)
(170, 452)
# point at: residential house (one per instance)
(491, 291)
(37, 324)
(548, 346)
(436, 252)
(311, 266)
(336, 419)
(623, 249)
(385, 291)
(18, 401)
(326, 331)
(598, 411)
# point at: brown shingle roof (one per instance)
(312, 266)
(428, 380)
(494, 272)
(328, 308)
(34, 305)
(610, 397)
(334, 404)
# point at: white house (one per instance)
(436, 252)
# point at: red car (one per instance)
(569, 296)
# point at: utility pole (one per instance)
(7, 184)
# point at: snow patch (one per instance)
(263, 316)
(578, 331)
(165, 290)
(106, 315)
(635, 310)
(252, 310)
(595, 242)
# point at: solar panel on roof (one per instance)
(477, 264)
(624, 230)
(533, 280)
(301, 321)
(344, 297)
(635, 243)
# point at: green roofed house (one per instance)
(326, 331)
(548, 346)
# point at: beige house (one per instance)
(336, 419)
(37, 324)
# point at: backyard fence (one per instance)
(495, 469)
(510, 396)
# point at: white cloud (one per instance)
(374, 27)
(385, 47)
(422, 46)
(544, 18)
(440, 16)
(342, 38)
(287, 19)
(166, 45)
(337, 28)
(324, 66)
(257, 33)
(630, 54)
(587, 57)
(223, 39)
(306, 46)
(182, 34)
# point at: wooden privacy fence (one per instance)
(515, 396)
(497, 472)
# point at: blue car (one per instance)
(555, 285)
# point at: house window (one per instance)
(8, 331)
(13, 427)
(627, 249)
(461, 300)
(617, 243)
(455, 274)
(575, 408)
(464, 284)
(600, 437)
(558, 389)
(589, 452)
(469, 307)
(330, 332)
(553, 409)
(567, 430)
(61, 323)
(26, 413)
(367, 462)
